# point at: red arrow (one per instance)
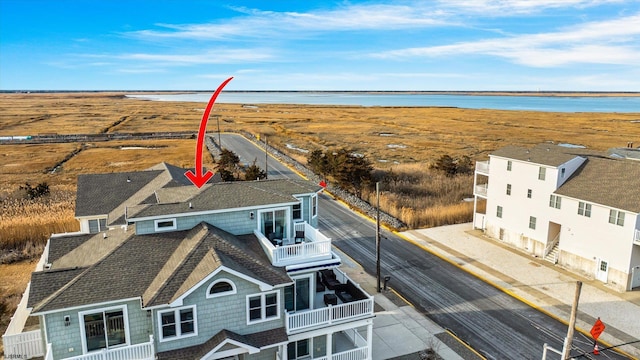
(198, 179)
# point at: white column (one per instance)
(329, 345)
(370, 340)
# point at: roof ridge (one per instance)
(192, 239)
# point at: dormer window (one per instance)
(165, 224)
(221, 287)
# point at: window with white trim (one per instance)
(616, 217)
(584, 209)
(297, 211)
(221, 287)
(499, 211)
(177, 323)
(263, 307)
(532, 222)
(554, 201)
(314, 206)
(165, 224)
(542, 173)
(298, 349)
(529, 193)
(97, 225)
(509, 165)
(103, 329)
(508, 189)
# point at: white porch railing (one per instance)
(303, 320)
(482, 167)
(550, 245)
(481, 190)
(315, 247)
(25, 345)
(355, 354)
(144, 351)
(636, 237)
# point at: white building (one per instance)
(574, 207)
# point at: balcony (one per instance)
(144, 351)
(481, 190)
(482, 167)
(311, 246)
(636, 237)
(337, 300)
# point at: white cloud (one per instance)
(500, 8)
(606, 42)
(222, 56)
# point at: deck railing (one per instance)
(304, 320)
(481, 190)
(355, 354)
(24, 345)
(315, 247)
(144, 351)
(482, 167)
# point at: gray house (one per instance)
(166, 270)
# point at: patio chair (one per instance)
(299, 238)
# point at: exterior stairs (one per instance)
(552, 256)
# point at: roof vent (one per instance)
(190, 206)
(128, 179)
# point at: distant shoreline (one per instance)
(382, 92)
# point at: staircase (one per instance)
(552, 256)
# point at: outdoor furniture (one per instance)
(319, 284)
(299, 238)
(329, 279)
(330, 299)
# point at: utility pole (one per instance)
(218, 121)
(266, 157)
(572, 322)
(378, 234)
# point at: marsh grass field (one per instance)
(402, 140)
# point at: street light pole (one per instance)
(218, 121)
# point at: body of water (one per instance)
(627, 104)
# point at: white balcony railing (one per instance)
(304, 320)
(24, 345)
(481, 190)
(636, 237)
(482, 167)
(144, 351)
(316, 246)
(355, 354)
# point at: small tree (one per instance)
(254, 172)
(228, 165)
(39, 190)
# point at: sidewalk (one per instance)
(537, 282)
(399, 331)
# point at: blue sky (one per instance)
(517, 45)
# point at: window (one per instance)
(532, 222)
(584, 209)
(221, 287)
(508, 189)
(97, 225)
(164, 225)
(499, 211)
(529, 193)
(509, 164)
(314, 205)
(297, 211)
(562, 171)
(616, 217)
(298, 349)
(262, 307)
(542, 172)
(178, 323)
(104, 329)
(554, 201)
(274, 224)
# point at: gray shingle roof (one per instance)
(99, 194)
(543, 154)
(132, 269)
(256, 340)
(610, 182)
(223, 196)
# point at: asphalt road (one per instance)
(492, 322)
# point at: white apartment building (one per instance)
(574, 207)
